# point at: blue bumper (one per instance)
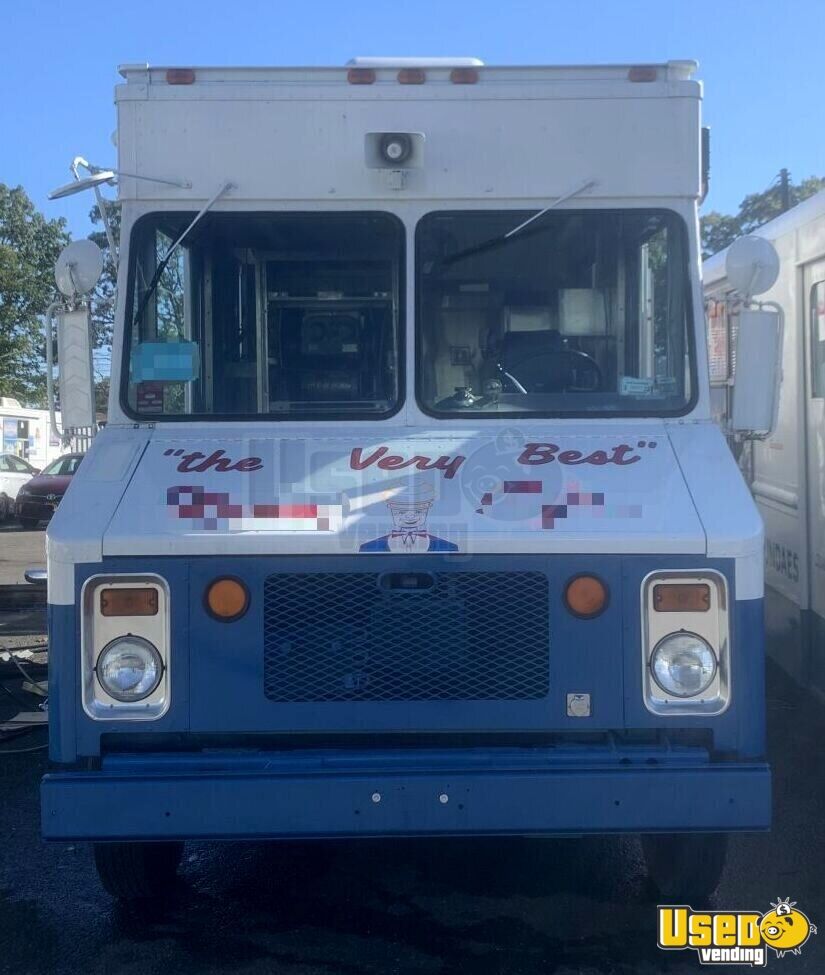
(404, 793)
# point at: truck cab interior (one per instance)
(284, 314)
(301, 314)
(578, 311)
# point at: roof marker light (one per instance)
(411, 76)
(464, 76)
(360, 76)
(642, 72)
(180, 76)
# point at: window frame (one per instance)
(690, 326)
(305, 416)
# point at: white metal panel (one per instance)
(815, 431)
(615, 488)
(461, 62)
(778, 464)
(731, 521)
(516, 142)
(75, 533)
(674, 74)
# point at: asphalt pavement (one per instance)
(483, 906)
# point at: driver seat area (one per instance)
(535, 358)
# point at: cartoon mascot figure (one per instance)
(786, 929)
(409, 509)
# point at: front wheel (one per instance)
(685, 868)
(137, 871)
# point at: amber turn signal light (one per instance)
(685, 597)
(585, 596)
(227, 599)
(128, 602)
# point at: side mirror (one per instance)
(74, 363)
(77, 271)
(758, 372)
(752, 268)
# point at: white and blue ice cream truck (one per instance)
(410, 516)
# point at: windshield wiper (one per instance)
(164, 261)
(503, 238)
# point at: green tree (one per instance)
(103, 296)
(29, 246)
(101, 394)
(719, 229)
(103, 303)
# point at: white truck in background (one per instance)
(786, 470)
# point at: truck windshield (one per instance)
(580, 312)
(265, 314)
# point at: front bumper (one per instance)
(403, 793)
(35, 508)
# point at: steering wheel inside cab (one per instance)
(562, 371)
(531, 363)
(539, 362)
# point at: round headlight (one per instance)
(683, 664)
(129, 668)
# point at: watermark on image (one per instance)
(735, 937)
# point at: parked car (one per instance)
(14, 472)
(37, 500)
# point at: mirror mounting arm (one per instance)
(48, 325)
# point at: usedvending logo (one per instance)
(735, 937)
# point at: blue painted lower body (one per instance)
(421, 792)
(242, 752)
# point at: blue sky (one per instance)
(761, 62)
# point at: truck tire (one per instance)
(137, 871)
(685, 868)
(29, 523)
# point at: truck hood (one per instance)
(586, 488)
